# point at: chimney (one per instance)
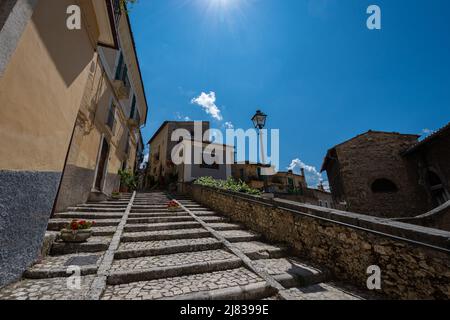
(303, 172)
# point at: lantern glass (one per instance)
(259, 119)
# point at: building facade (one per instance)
(161, 168)
(390, 174)
(107, 135)
(53, 94)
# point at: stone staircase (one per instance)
(139, 250)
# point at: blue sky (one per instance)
(311, 65)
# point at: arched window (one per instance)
(384, 186)
(437, 189)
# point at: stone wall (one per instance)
(356, 172)
(415, 261)
(438, 218)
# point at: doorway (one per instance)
(101, 168)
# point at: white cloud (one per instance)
(228, 125)
(183, 118)
(208, 103)
(427, 132)
(312, 175)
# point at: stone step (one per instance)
(236, 284)
(258, 250)
(198, 209)
(93, 244)
(58, 223)
(143, 206)
(104, 205)
(46, 289)
(239, 235)
(154, 248)
(320, 291)
(159, 215)
(205, 213)
(171, 265)
(290, 272)
(165, 235)
(157, 210)
(95, 209)
(160, 219)
(216, 219)
(86, 215)
(161, 226)
(225, 226)
(57, 266)
(103, 231)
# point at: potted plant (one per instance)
(173, 206)
(115, 195)
(128, 181)
(77, 231)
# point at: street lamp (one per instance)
(259, 121)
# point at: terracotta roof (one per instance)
(427, 140)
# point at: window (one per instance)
(291, 182)
(384, 186)
(122, 71)
(111, 117)
(133, 107)
(438, 193)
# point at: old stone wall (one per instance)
(415, 261)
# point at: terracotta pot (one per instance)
(76, 236)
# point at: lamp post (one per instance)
(259, 121)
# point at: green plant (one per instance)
(128, 179)
(230, 184)
(124, 4)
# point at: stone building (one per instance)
(390, 174)
(55, 93)
(249, 172)
(162, 170)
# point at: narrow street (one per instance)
(139, 250)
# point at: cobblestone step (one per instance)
(86, 215)
(95, 209)
(320, 291)
(103, 230)
(45, 289)
(154, 248)
(225, 226)
(160, 219)
(161, 226)
(205, 213)
(57, 266)
(59, 223)
(159, 214)
(172, 265)
(240, 235)
(258, 250)
(93, 244)
(235, 284)
(215, 219)
(154, 210)
(290, 272)
(105, 205)
(165, 235)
